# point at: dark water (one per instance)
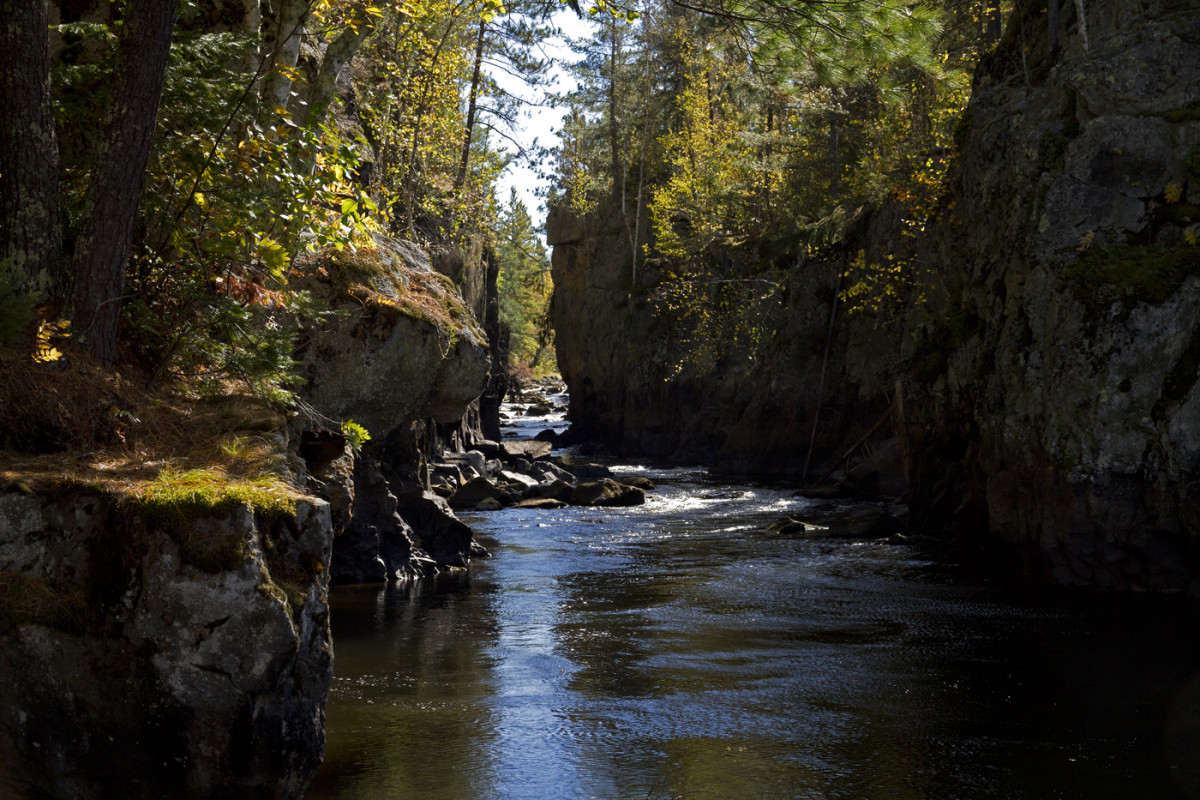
(678, 650)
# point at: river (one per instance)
(677, 649)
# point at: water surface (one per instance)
(678, 649)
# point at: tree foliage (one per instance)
(271, 131)
(739, 123)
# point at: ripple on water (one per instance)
(676, 649)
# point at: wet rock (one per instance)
(639, 481)
(862, 522)
(377, 545)
(475, 491)
(489, 504)
(606, 493)
(529, 448)
(541, 503)
(547, 470)
(819, 491)
(556, 490)
(586, 471)
(446, 538)
(789, 526)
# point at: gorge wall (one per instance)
(147, 658)
(1062, 381)
(1052, 403)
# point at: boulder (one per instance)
(557, 490)
(517, 479)
(606, 493)
(586, 471)
(446, 538)
(388, 360)
(541, 503)
(527, 448)
(475, 491)
(639, 481)
(789, 526)
(548, 470)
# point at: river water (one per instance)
(679, 650)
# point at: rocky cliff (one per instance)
(146, 656)
(799, 402)
(163, 615)
(1062, 382)
(404, 357)
(1052, 404)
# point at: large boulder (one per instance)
(404, 346)
(606, 492)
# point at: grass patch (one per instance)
(176, 499)
(28, 601)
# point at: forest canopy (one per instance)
(166, 164)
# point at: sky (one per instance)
(539, 122)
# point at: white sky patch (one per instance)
(538, 121)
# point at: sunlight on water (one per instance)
(678, 649)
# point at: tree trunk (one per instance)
(834, 161)
(30, 211)
(106, 234)
(339, 52)
(614, 129)
(1052, 24)
(284, 50)
(461, 179)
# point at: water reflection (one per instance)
(679, 649)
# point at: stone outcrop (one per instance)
(139, 659)
(404, 357)
(403, 346)
(1056, 403)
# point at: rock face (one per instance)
(407, 359)
(137, 661)
(406, 348)
(636, 387)
(1053, 402)
(1059, 394)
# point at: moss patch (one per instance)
(176, 499)
(1131, 275)
(1189, 113)
(931, 354)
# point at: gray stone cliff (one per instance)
(191, 660)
